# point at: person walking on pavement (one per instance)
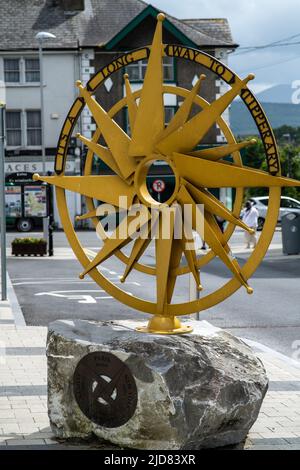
(250, 218)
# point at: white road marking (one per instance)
(81, 298)
(60, 281)
(74, 281)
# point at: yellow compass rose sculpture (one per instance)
(130, 157)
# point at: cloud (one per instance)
(253, 22)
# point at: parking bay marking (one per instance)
(67, 281)
(81, 298)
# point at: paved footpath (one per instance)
(23, 391)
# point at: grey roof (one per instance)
(200, 36)
(101, 20)
(214, 27)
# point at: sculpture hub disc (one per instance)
(140, 178)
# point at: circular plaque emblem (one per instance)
(105, 389)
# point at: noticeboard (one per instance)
(13, 201)
(35, 201)
(25, 197)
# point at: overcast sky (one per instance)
(253, 23)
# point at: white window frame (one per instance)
(26, 130)
(21, 123)
(142, 64)
(24, 140)
(19, 70)
(22, 71)
(33, 70)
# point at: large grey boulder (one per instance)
(137, 390)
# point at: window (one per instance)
(13, 128)
(137, 70)
(295, 205)
(22, 70)
(169, 113)
(265, 202)
(284, 203)
(12, 70)
(32, 70)
(289, 204)
(168, 68)
(34, 128)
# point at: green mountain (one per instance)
(279, 114)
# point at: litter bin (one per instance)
(290, 225)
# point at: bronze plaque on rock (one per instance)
(105, 389)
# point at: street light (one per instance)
(41, 37)
(2, 204)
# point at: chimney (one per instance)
(72, 5)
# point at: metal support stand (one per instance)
(194, 292)
(51, 221)
(45, 219)
(2, 205)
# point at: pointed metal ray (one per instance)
(207, 174)
(176, 256)
(95, 213)
(88, 215)
(150, 115)
(163, 250)
(131, 103)
(191, 257)
(183, 112)
(190, 134)
(116, 139)
(113, 243)
(215, 207)
(103, 188)
(140, 245)
(215, 238)
(216, 153)
(102, 152)
(176, 253)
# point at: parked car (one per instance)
(288, 204)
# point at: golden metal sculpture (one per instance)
(194, 170)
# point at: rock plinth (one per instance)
(144, 391)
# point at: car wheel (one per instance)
(261, 222)
(24, 225)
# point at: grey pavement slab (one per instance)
(23, 376)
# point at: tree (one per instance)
(290, 166)
(254, 156)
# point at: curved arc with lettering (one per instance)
(182, 52)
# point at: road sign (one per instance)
(158, 186)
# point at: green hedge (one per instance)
(28, 241)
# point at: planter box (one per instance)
(29, 249)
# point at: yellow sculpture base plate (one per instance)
(176, 331)
(160, 325)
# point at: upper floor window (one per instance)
(20, 70)
(34, 128)
(12, 70)
(13, 128)
(23, 128)
(32, 70)
(137, 70)
(169, 113)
